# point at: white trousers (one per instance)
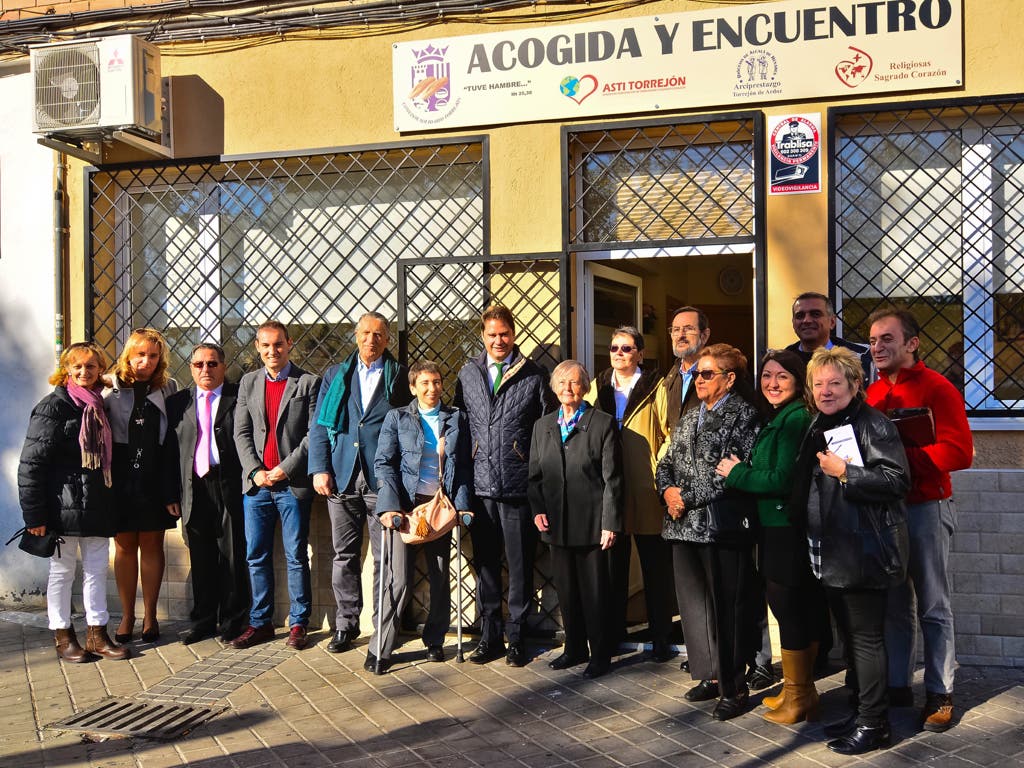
(95, 558)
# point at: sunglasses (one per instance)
(708, 375)
(624, 348)
(199, 364)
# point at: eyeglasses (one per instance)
(624, 348)
(686, 330)
(708, 374)
(200, 364)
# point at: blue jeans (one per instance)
(262, 511)
(930, 525)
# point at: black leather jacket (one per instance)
(862, 524)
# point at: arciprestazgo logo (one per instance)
(578, 88)
(430, 79)
(757, 67)
(854, 70)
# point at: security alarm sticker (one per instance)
(794, 157)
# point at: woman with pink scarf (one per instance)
(64, 487)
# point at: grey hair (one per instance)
(375, 316)
(564, 367)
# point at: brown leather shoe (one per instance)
(938, 712)
(68, 648)
(296, 637)
(98, 641)
(253, 636)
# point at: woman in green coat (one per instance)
(790, 586)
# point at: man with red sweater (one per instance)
(906, 382)
(272, 415)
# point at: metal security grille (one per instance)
(207, 251)
(441, 301)
(927, 212)
(683, 182)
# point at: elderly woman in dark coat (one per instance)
(64, 487)
(708, 526)
(575, 455)
(853, 475)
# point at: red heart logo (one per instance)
(852, 73)
(583, 96)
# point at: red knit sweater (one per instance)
(274, 395)
(920, 386)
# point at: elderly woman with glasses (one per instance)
(575, 493)
(708, 526)
(628, 393)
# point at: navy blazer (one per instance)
(359, 441)
(400, 449)
(298, 405)
(181, 415)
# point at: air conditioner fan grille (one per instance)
(67, 83)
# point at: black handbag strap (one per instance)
(17, 535)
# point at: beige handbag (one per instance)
(434, 518)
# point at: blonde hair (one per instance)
(123, 367)
(59, 378)
(843, 360)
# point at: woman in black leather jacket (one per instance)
(856, 530)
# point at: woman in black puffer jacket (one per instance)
(64, 487)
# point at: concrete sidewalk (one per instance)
(311, 709)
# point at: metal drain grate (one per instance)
(126, 717)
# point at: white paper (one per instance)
(842, 442)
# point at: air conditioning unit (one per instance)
(85, 89)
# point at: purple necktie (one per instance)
(202, 463)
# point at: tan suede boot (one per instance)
(68, 648)
(774, 702)
(97, 641)
(800, 698)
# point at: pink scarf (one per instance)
(94, 437)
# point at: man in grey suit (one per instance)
(356, 395)
(203, 418)
(275, 407)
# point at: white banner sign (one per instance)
(730, 56)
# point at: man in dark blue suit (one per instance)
(355, 396)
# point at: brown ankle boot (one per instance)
(774, 702)
(97, 641)
(68, 648)
(799, 698)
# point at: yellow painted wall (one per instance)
(308, 93)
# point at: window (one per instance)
(927, 211)
(208, 252)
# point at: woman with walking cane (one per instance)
(423, 448)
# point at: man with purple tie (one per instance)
(202, 417)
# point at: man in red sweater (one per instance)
(906, 382)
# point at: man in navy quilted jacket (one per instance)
(503, 394)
